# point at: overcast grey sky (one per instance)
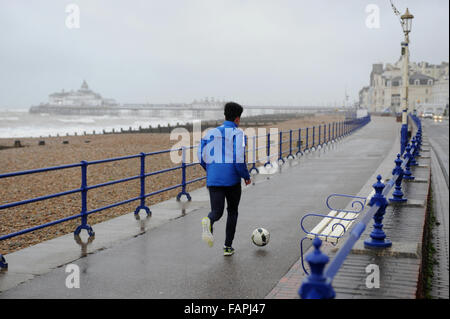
(256, 52)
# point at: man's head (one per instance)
(233, 112)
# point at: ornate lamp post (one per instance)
(406, 21)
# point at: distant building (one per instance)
(210, 103)
(439, 97)
(428, 88)
(82, 97)
(81, 102)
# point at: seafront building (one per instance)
(428, 88)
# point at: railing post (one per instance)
(84, 224)
(280, 149)
(418, 142)
(183, 176)
(334, 133)
(414, 152)
(329, 133)
(316, 285)
(142, 193)
(268, 150)
(339, 129)
(398, 194)
(299, 142)
(419, 134)
(377, 236)
(320, 129)
(407, 174)
(3, 263)
(324, 135)
(254, 156)
(314, 138)
(290, 156)
(307, 139)
(245, 148)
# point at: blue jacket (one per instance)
(222, 154)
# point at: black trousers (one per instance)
(217, 196)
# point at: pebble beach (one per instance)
(90, 148)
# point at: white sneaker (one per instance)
(207, 236)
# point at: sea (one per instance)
(20, 123)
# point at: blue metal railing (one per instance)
(347, 127)
(318, 285)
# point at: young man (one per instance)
(222, 154)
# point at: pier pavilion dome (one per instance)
(82, 97)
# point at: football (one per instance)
(260, 236)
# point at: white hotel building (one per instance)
(428, 88)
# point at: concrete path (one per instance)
(171, 261)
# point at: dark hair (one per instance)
(232, 111)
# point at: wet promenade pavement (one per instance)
(164, 256)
